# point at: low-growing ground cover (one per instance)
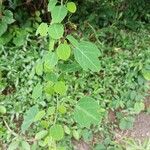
(68, 79)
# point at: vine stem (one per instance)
(56, 114)
(94, 32)
(61, 2)
(11, 131)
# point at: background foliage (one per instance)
(43, 100)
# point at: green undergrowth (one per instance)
(56, 86)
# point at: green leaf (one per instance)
(146, 74)
(39, 115)
(60, 88)
(73, 41)
(48, 88)
(58, 13)
(39, 67)
(138, 107)
(86, 54)
(76, 134)
(37, 91)
(71, 6)
(29, 118)
(2, 110)
(86, 112)
(25, 145)
(50, 60)
(3, 28)
(67, 130)
(41, 134)
(13, 145)
(56, 31)
(42, 29)
(8, 17)
(57, 132)
(126, 123)
(63, 51)
(51, 4)
(62, 109)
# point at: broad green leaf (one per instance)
(86, 54)
(25, 145)
(39, 67)
(3, 28)
(13, 145)
(29, 118)
(57, 132)
(86, 112)
(41, 134)
(146, 74)
(51, 4)
(2, 110)
(50, 60)
(58, 13)
(39, 115)
(126, 123)
(60, 88)
(37, 91)
(138, 107)
(71, 6)
(56, 31)
(42, 29)
(63, 51)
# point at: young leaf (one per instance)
(51, 4)
(86, 112)
(138, 107)
(51, 111)
(48, 88)
(50, 59)
(62, 109)
(2, 110)
(86, 54)
(42, 29)
(58, 13)
(57, 132)
(126, 123)
(71, 6)
(60, 87)
(63, 51)
(146, 74)
(39, 115)
(37, 91)
(56, 31)
(29, 118)
(41, 134)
